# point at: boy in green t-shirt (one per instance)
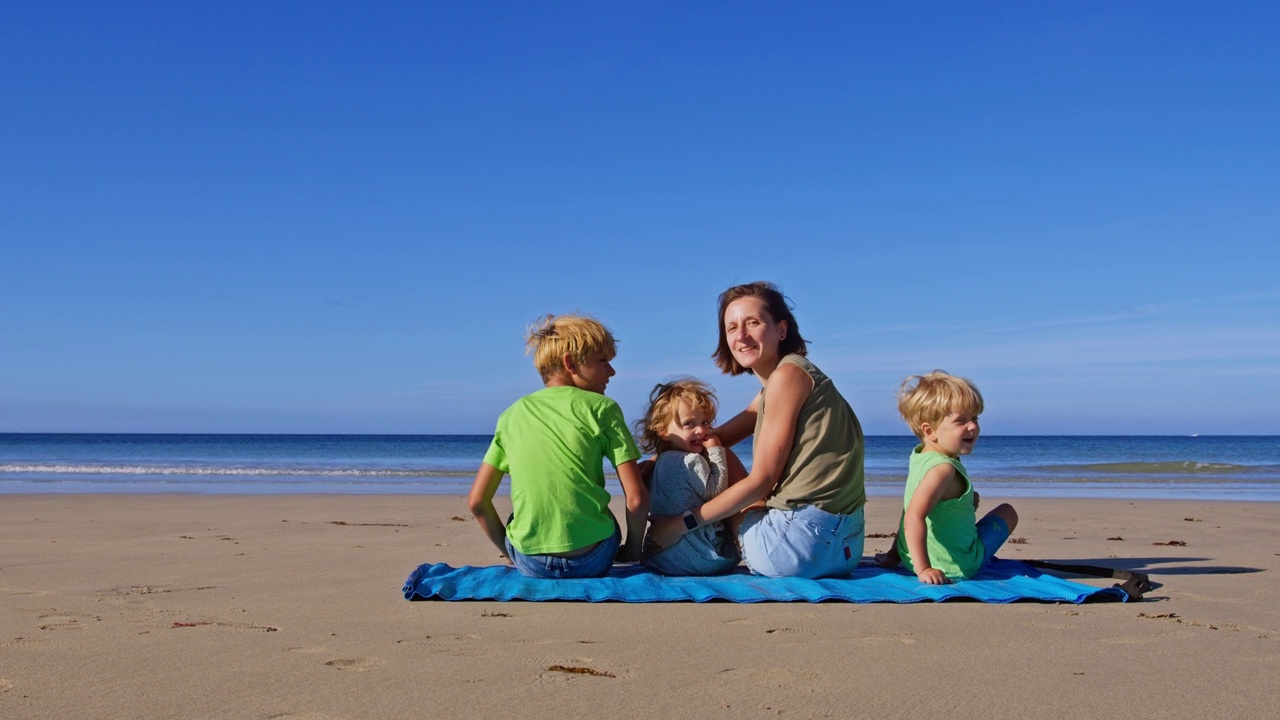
(553, 443)
(938, 536)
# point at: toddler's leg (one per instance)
(1005, 512)
(995, 527)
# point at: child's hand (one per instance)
(711, 441)
(932, 576)
(975, 499)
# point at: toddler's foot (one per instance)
(888, 560)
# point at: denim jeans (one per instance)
(593, 564)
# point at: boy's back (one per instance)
(553, 444)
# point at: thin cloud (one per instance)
(1165, 344)
(1143, 311)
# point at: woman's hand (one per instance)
(666, 530)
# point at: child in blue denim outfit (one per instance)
(691, 468)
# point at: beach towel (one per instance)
(1001, 581)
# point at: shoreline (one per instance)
(164, 605)
(1030, 490)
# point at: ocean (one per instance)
(1207, 468)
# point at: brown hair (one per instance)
(778, 307)
(931, 398)
(664, 405)
(552, 337)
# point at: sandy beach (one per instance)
(162, 606)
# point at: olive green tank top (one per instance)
(825, 465)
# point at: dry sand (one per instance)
(290, 607)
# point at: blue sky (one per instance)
(317, 217)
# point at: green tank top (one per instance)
(824, 468)
(952, 534)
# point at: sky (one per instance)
(318, 217)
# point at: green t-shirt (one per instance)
(952, 532)
(553, 444)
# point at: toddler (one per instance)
(939, 536)
(691, 468)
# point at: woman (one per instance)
(804, 497)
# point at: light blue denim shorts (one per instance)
(808, 542)
(591, 565)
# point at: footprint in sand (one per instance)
(538, 641)
(452, 645)
(354, 664)
(1125, 640)
(760, 682)
(70, 621)
(790, 631)
(309, 650)
(894, 639)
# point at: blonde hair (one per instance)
(931, 398)
(664, 406)
(579, 336)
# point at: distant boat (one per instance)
(1195, 434)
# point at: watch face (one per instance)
(690, 522)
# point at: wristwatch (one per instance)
(690, 522)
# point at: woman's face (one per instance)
(752, 334)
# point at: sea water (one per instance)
(1218, 468)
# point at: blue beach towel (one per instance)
(1001, 581)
